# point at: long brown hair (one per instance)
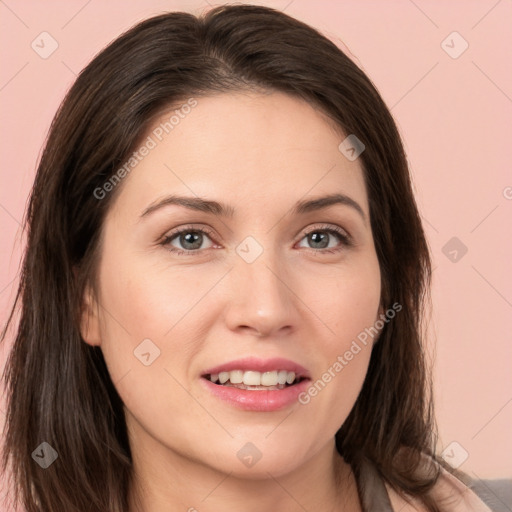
(57, 385)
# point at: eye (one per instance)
(319, 238)
(191, 239)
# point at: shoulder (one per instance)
(449, 493)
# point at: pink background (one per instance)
(454, 115)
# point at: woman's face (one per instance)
(268, 282)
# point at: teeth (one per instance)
(290, 378)
(236, 376)
(253, 378)
(269, 379)
(281, 376)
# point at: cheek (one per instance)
(152, 314)
(143, 299)
(345, 358)
(332, 396)
(348, 303)
(147, 345)
(346, 300)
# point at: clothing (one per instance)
(450, 494)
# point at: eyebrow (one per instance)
(223, 210)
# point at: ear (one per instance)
(90, 319)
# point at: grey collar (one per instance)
(373, 492)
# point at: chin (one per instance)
(253, 463)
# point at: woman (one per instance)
(251, 370)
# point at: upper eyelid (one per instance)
(320, 226)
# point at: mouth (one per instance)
(257, 385)
(254, 384)
(256, 381)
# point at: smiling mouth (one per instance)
(255, 381)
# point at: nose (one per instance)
(261, 299)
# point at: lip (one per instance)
(257, 400)
(260, 365)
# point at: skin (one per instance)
(259, 153)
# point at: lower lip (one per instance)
(257, 400)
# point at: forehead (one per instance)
(244, 148)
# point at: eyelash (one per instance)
(345, 239)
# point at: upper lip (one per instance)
(260, 365)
